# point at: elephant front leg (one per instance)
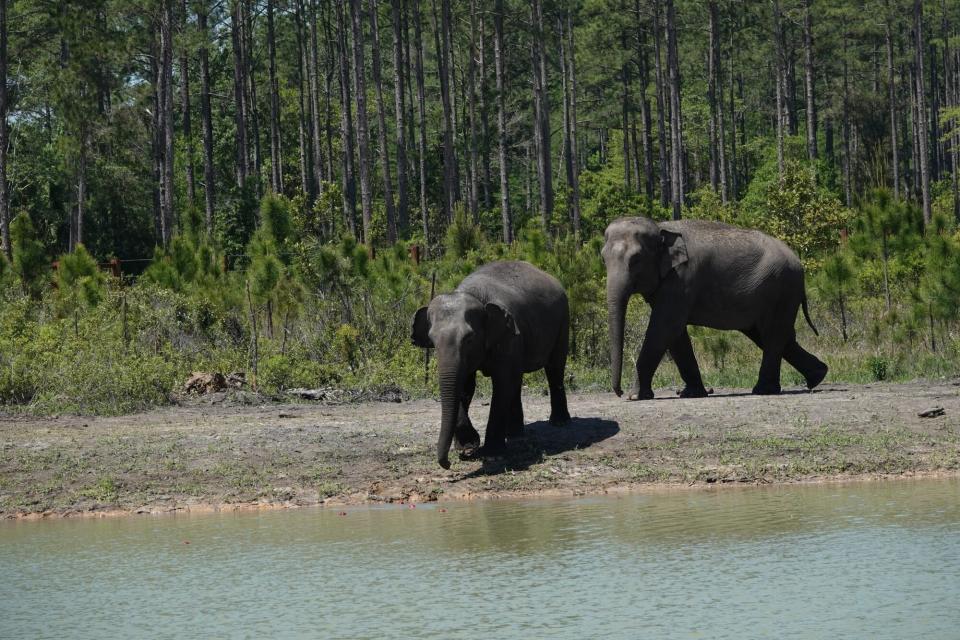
(682, 352)
(466, 438)
(503, 404)
(514, 427)
(666, 325)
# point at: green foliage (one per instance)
(706, 205)
(345, 344)
(80, 283)
(795, 209)
(235, 227)
(29, 261)
(4, 272)
(604, 198)
(281, 371)
(937, 295)
(463, 235)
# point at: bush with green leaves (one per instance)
(80, 283)
(795, 208)
(30, 263)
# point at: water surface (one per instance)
(878, 560)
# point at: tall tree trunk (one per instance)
(779, 84)
(166, 94)
(676, 118)
(303, 121)
(82, 195)
(892, 89)
(206, 118)
(400, 111)
(471, 88)
(934, 137)
(156, 143)
(313, 89)
(276, 157)
(544, 169)
(484, 117)
(363, 136)
(565, 155)
(251, 89)
(421, 122)
(810, 78)
(715, 100)
(734, 170)
(923, 150)
(665, 162)
(952, 86)
(348, 177)
(498, 63)
(643, 65)
(450, 181)
(382, 126)
(915, 135)
(330, 69)
(185, 107)
(574, 152)
(625, 118)
(847, 159)
(239, 94)
(5, 245)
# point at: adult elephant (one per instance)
(505, 319)
(707, 274)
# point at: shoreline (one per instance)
(205, 508)
(205, 458)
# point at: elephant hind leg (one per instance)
(556, 370)
(682, 353)
(810, 367)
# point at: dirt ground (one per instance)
(204, 455)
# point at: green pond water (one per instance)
(872, 560)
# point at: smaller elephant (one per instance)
(505, 319)
(695, 272)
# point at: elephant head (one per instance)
(638, 254)
(462, 329)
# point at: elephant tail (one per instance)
(806, 314)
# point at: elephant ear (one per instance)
(673, 251)
(499, 324)
(421, 329)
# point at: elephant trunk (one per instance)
(450, 383)
(617, 298)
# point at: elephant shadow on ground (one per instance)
(542, 439)
(747, 394)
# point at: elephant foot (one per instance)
(640, 394)
(466, 438)
(496, 449)
(559, 419)
(515, 431)
(766, 389)
(817, 377)
(470, 453)
(694, 392)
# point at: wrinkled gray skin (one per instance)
(711, 275)
(505, 319)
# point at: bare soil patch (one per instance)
(230, 455)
